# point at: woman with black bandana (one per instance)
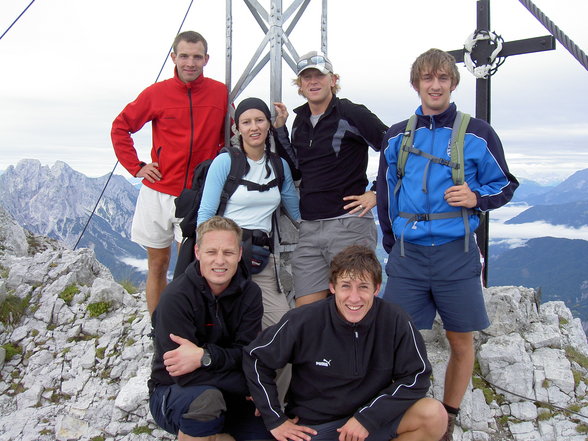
(253, 210)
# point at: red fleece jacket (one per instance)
(187, 128)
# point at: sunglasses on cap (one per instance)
(314, 60)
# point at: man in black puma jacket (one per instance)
(359, 367)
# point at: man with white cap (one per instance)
(328, 151)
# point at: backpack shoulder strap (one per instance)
(458, 132)
(405, 147)
(236, 172)
(278, 166)
(407, 142)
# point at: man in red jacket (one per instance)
(187, 114)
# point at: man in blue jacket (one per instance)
(359, 367)
(204, 319)
(428, 221)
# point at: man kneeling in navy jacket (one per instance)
(204, 319)
(359, 367)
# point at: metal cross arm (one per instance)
(518, 47)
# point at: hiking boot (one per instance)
(448, 435)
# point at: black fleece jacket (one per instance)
(373, 370)
(223, 325)
(331, 157)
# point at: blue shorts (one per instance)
(201, 411)
(442, 279)
(328, 431)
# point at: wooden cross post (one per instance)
(481, 55)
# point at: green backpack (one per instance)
(456, 163)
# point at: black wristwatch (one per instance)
(206, 359)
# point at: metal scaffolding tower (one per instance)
(276, 38)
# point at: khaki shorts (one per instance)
(275, 305)
(319, 241)
(154, 223)
(275, 302)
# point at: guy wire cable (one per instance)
(545, 404)
(566, 42)
(16, 19)
(116, 163)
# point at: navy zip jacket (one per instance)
(373, 370)
(330, 158)
(223, 325)
(486, 174)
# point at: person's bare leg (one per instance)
(425, 420)
(459, 368)
(311, 298)
(157, 266)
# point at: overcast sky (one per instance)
(70, 66)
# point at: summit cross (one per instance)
(483, 53)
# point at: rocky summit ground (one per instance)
(75, 355)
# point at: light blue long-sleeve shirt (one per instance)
(249, 209)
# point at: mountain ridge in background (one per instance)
(558, 265)
(530, 189)
(572, 189)
(57, 201)
(572, 214)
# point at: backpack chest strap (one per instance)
(254, 186)
(431, 158)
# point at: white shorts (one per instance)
(154, 223)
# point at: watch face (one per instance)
(205, 360)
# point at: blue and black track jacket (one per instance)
(373, 370)
(331, 157)
(486, 174)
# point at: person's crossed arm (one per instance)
(184, 359)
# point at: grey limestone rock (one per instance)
(79, 375)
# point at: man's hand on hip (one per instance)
(150, 172)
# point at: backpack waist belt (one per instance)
(412, 217)
(257, 237)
